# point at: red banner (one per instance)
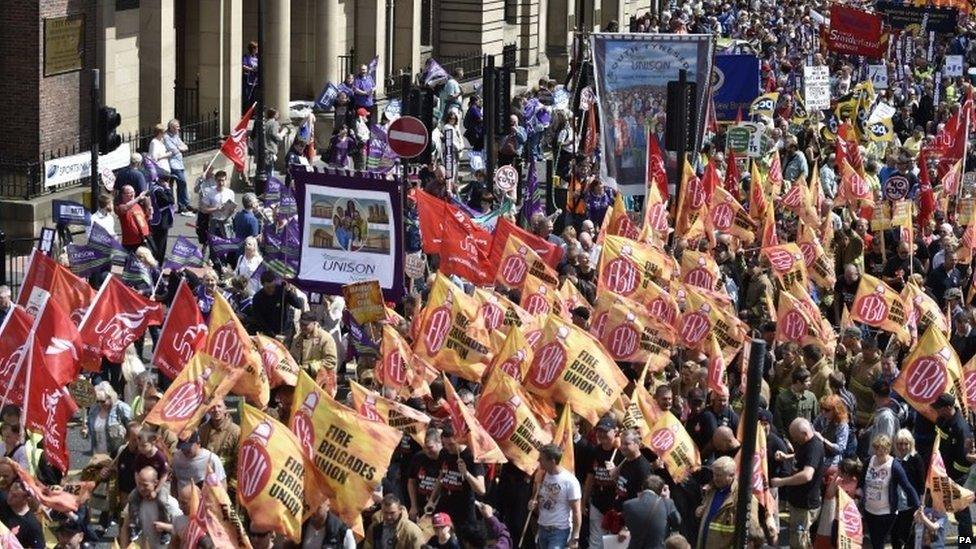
(14, 330)
(117, 317)
(184, 333)
(856, 32)
(48, 407)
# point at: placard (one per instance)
(64, 44)
(83, 392)
(856, 32)
(878, 74)
(953, 66)
(416, 265)
(365, 301)
(816, 87)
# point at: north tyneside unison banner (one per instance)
(632, 74)
(735, 84)
(352, 227)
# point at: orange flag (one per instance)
(641, 412)
(819, 266)
(272, 481)
(964, 253)
(617, 222)
(394, 368)
(769, 235)
(350, 453)
(483, 447)
(692, 204)
(563, 437)
(656, 225)
(728, 216)
(717, 367)
(704, 316)
(450, 339)
(794, 322)
(787, 263)
(514, 356)
(518, 261)
(229, 344)
(58, 500)
(799, 201)
(850, 531)
(505, 414)
(497, 312)
(539, 298)
(629, 334)
(922, 310)
(930, 369)
(879, 306)
(672, 443)
(570, 366)
(375, 407)
(200, 384)
(854, 190)
(571, 298)
(279, 365)
(699, 269)
(626, 265)
(947, 496)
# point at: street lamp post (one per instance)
(261, 177)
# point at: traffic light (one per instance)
(108, 120)
(421, 106)
(682, 116)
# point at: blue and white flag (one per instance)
(434, 73)
(67, 212)
(326, 99)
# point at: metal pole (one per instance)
(681, 149)
(750, 413)
(260, 178)
(488, 77)
(3, 258)
(93, 137)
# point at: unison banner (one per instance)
(735, 83)
(351, 231)
(632, 74)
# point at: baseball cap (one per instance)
(606, 423)
(190, 441)
(945, 400)
(362, 112)
(442, 519)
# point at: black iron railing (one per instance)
(471, 63)
(188, 102)
(346, 66)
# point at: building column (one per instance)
(371, 38)
(327, 48)
(467, 26)
(213, 85)
(560, 24)
(157, 62)
(277, 57)
(406, 43)
(528, 20)
(231, 72)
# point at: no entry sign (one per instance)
(407, 137)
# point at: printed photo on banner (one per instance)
(351, 227)
(632, 75)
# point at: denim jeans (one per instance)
(182, 195)
(552, 538)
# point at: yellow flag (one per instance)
(793, 323)
(629, 334)
(518, 261)
(758, 199)
(930, 369)
(496, 312)
(704, 316)
(854, 190)
(819, 266)
(922, 310)
(641, 412)
(964, 253)
(850, 529)
(504, 413)
(539, 298)
(279, 365)
(787, 263)
(450, 338)
(571, 298)
(375, 407)
(728, 216)
(563, 437)
(570, 366)
(229, 344)
(618, 222)
(672, 443)
(699, 269)
(200, 384)
(271, 476)
(626, 266)
(350, 453)
(395, 367)
(764, 105)
(514, 356)
(947, 496)
(483, 447)
(879, 306)
(692, 205)
(656, 224)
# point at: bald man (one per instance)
(724, 443)
(149, 514)
(806, 481)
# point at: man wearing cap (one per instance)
(696, 417)
(444, 537)
(864, 371)
(956, 447)
(798, 402)
(392, 529)
(558, 501)
(191, 463)
(599, 487)
(313, 347)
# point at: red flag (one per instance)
(926, 198)
(656, 175)
(116, 318)
(235, 147)
(549, 252)
(709, 181)
(58, 499)
(14, 332)
(48, 407)
(60, 342)
(46, 278)
(430, 213)
(592, 137)
(732, 176)
(184, 333)
(464, 251)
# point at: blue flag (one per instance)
(85, 260)
(326, 99)
(67, 212)
(220, 247)
(101, 240)
(434, 73)
(184, 254)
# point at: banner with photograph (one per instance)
(351, 231)
(632, 74)
(735, 83)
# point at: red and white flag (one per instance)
(14, 332)
(60, 342)
(235, 147)
(48, 407)
(184, 333)
(46, 278)
(116, 318)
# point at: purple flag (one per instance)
(371, 67)
(380, 157)
(101, 240)
(287, 207)
(86, 260)
(434, 73)
(150, 167)
(220, 247)
(136, 275)
(533, 194)
(272, 192)
(184, 254)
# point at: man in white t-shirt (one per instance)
(191, 462)
(558, 501)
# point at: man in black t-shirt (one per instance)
(632, 472)
(461, 480)
(804, 486)
(15, 512)
(599, 487)
(422, 473)
(955, 445)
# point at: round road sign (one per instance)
(506, 178)
(407, 137)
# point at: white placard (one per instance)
(953, 66)
(78, 166)
(881, 112)
(415, 265)
(506, 177)
(816, 88)
(878, 74)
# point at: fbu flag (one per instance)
(735, 83)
